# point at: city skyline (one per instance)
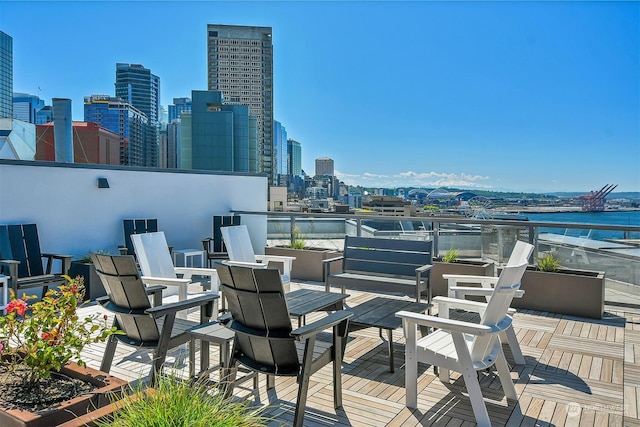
(513, 96)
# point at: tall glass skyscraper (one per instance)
(137, 86)
(280, 152)
(179, 105)
(222, 136)
(6, 76)
(26, 107)
(122, 118)
(240, 65)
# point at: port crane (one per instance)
(594, 200)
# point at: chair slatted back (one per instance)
(20, 242)
(121, 280)
(238, 243)
(218, 222)
(520, 253)
(260, 319)
(394, 257)
(137, 226)
(487, 346)
(153, 254)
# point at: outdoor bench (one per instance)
(379, 264)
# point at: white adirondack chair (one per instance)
(520, 254)
(462, 346)
(238, 242)
(157, 266)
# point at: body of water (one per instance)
(630, 218)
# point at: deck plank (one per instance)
(578, 372)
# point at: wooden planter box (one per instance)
(308, 262)
(570, 292)
(473, 268)
(67, 410)
(92, 283)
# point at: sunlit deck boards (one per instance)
(579, 372)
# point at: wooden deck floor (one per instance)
(579, 372)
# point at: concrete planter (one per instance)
(570, 292)
(473, 268)
(308, 263)
(92, 283)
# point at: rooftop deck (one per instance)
(578, 372)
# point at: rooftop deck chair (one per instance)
(137, 226)
(520, 254)
(463, 346)
(214, 246)
(22, 261)
(265, 341)
(144, 326)
(238, 243)
(157, 266)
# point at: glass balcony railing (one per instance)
(481, 239)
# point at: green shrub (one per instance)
(548, 263)
(297, 242)
(450, 256)
(177, 403)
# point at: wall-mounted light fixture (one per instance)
(103, 183)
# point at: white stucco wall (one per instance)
(74, 216)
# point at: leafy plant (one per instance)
(450, 256)
(177, 403)
(548, 263)
(87, 258)
(297, 242)
(47, 334)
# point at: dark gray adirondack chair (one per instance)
(22, 260)
(127, 297)
(214, 246)
(265, 341)
(137, 226)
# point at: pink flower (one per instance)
(18, 305)
(1, 346)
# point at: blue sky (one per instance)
(523, 96)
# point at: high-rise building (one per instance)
(295, 180)
(26, 107)
(6, 76)
(179, 105)
(44, 115)
(280, 152)
(122, 118)
(137, 86)
(324, 166)
(294, 157)
(240, 65)
(223, 137)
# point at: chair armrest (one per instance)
(245, 264)
(167, 281)
(182, 305)
(318, 326)
(426, 267)
(330, 260)
(437, 322)
(463, 304)
(468, 278)
(198, 271)
(279, 258)
(462, 291)
(66, 261)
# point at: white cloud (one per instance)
(415, 179)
